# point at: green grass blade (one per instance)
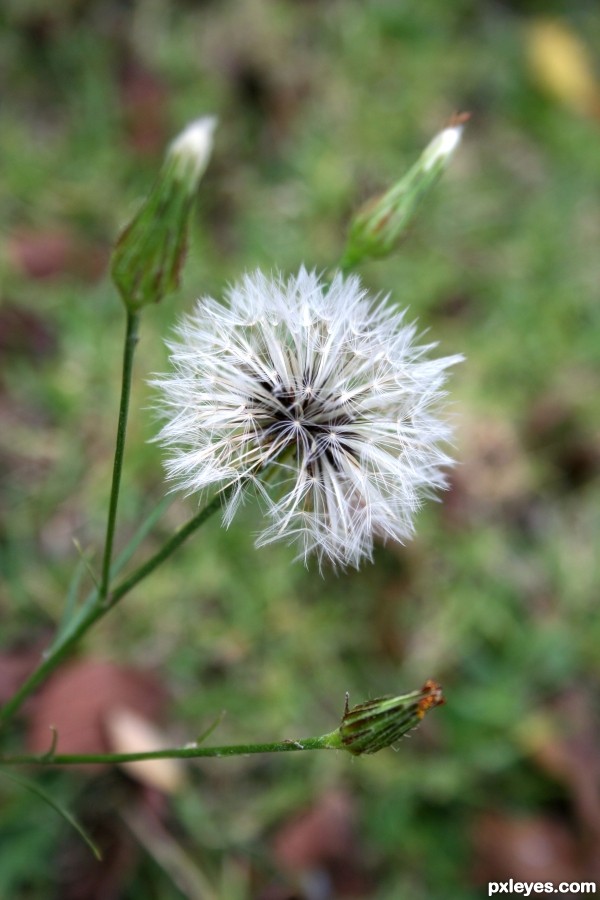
(34, 788)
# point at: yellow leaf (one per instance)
(560, 63)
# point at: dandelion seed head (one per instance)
(317, 397)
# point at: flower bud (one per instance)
(376, 724)
(149, 253)
(379, 224)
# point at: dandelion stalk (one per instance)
(324, 742)
(146, 266)
(100, 602)
(131, 339)
(169, 547)
(364, 729)
(99, 606)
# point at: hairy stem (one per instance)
(329, 741)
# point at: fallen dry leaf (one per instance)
(556, 435)
(565, 743)
(561, 65)
(532, 848)
(26, 332)
(77, 700)
(48, 254)
(80, 876)
(322, 844)
(15, 667)
(144, 98)
(495, 476)
(130, 732)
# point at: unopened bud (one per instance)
(381, 222)
(191, 150)
(377, 724)
(150, 251)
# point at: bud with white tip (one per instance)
(441, 148)
(381, 222)
(191, 150)
(149, 253)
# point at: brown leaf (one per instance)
(29, 446)
(24, 332)
(144, 99)
(565, 743)
(556, 435)
(323, 841)
(322, 833)
(77, 700)
(494, 478)
(48, 254)
(533, 848)
(78, 874)
(15, 667)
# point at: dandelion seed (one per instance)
(316, 396)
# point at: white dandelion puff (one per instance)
(317, 396)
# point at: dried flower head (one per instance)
(376, 724)
(316, 395)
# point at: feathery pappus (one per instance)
(316, 395)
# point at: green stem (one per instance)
(170, 546)
(69, 626)
(131, 339)
(101, 606)
(329, 741)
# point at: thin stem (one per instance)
(170, 546)
(329, 741)
(100, 607)
(144, 529)
(131, 339)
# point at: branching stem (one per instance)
(100, 607)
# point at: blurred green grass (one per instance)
(320, 104)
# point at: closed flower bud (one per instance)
(382, 221)
(377, 724)
(149, 254)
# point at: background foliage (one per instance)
(321, 104)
